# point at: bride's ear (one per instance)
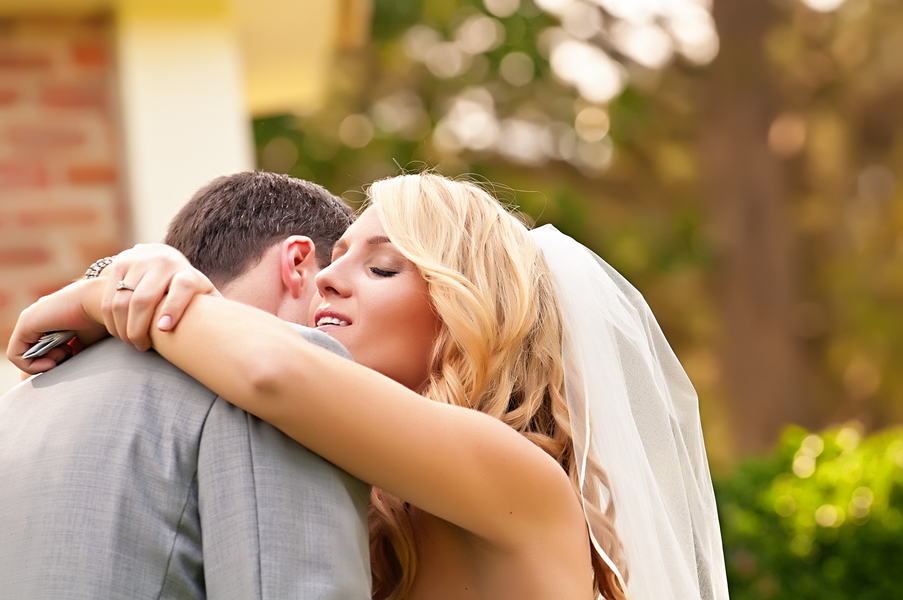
(297, 262)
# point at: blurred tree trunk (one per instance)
(764, 370)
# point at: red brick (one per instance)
(66, 216)
(89, 54)
(8, 97)
(44, 137)
(98, 250)
(17, 59)
(94, 24)
(45, 25)
(22, 174)
(92, 173)
(74, 96)
(23, 257)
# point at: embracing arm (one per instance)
(458, 464)
(455, 463)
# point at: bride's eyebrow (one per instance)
(341, 246)
(378, 240)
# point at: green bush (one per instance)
(821, 517)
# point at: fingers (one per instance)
(60, 354)
(185, 285)
(36, 365)
(150, 270)
(131, 310)
(139, 309)
(62, 310)
(44, 363)
(131, 267)
(20, 343)
(115, 303)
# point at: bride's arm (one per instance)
(458, 464)
(455, 463)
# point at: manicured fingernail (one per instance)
(164, 323)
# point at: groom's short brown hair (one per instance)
(228, 224)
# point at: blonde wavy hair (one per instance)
(499, 350)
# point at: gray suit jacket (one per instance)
(123, 477)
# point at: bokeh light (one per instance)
(479, 33)
(502, 8)
(592, 124)
(517, 68)
(356, 131)
(823, 5)
(596, 76)
(580, 20)
(470, 123)
(647, 44)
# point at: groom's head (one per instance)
(261, 238)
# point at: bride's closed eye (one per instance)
(382, 272)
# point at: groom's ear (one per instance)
(298, 264)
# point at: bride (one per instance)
(528, 430)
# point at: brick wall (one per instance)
(62, 204)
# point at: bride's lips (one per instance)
(332, 319)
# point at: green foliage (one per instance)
(820, 518)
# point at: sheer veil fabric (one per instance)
(633, 407)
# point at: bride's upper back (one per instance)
(453, 565)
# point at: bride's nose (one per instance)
(332, 281)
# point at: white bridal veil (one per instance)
(633, 407)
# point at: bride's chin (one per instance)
(340, 335)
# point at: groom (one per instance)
(121, 477)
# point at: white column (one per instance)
(182, 102)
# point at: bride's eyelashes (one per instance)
(382, 272)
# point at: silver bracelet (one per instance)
(98, 266)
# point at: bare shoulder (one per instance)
(452, 564)
(541, 547)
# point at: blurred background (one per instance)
(738, 161)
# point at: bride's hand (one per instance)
(62, 310)
(157, 274)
